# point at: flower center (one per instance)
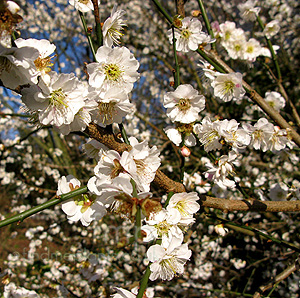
(162, 228)
(43, 64)
(180, 206)
(107, 110)
(250, 49)
(237, 47)
(84, 1)
(185, 33)
(185, 128)
(117, 169)
(168, 264)
(227, 35)
(228, 86)
(85, 201)
(57, 98)
(184, 104)
(112, 72)
(5, 64)
(258, 134)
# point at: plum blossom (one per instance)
(184, 205)
(112, 27)
(43, 63)
(162, 225)
(81, 119)
(115, 67)
(225, 166)
(261, 134)
(147, 162)
(209, 134)
(17, 66)
(85, 208)
(167, 262)
(184, 104)
(181, 132)
(278, 192)
(272, 28)
(188, 35)
(228, 86)
(111, 106)
(252, 50)
(275, 100)
(248, 10)
(57, 98)
(122, 293)
(83, 5)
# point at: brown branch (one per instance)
(258, 99)
(227, 205)
(162, 181)
(180, 7)
(280, 277)
(107, 138)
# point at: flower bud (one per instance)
(185, 151)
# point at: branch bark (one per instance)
(252, 205)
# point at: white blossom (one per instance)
(111, 106)
(184, 104)
(275, 100)
(166, 263)
(228, 86)
(56, 98)
(112, 27)
(83, 5)
(271, 29)
(115, 67)
(248, 10)
(189, 35)
(85, 208)
(17, 66)
(44, 61)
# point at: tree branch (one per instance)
(280, 277)
(252, 205)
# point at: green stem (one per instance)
(138, 224)
(270, 46)
(64, 197)
(144, 283)
(163, 11)
(124, 134)
(170, 194)
(212, 62)
(206, 21)
(176, 74)
(88, 34)
(263, 235)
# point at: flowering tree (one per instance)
(167, 135)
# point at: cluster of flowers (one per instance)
(122, 183)
(62, 100)
(234, 40)
(183, 106)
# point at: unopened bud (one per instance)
(196, 13)
(185, 151)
